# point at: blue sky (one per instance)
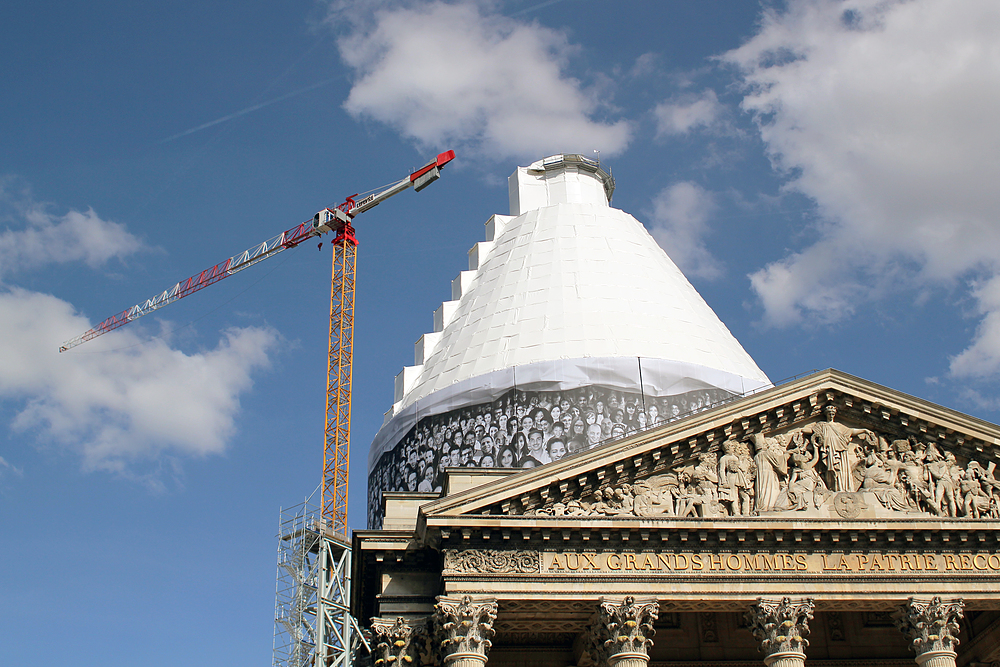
(824, 171)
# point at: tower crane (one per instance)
(338, 220)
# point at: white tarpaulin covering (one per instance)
(568, 293)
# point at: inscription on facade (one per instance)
(876, 563)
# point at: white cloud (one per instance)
(49, 238)
(687, 113)
(982, 358)
(679, 223)
(645, 65)
(801, 283)
(121, 404)
(128, 405)
(884, 113)
(458, 75)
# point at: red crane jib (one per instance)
(288, 239)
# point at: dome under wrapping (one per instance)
(572, 327)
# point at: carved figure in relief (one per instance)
(689, 500)
(698, 492)
(771, 460)
(575, 508)
(980, 491)
(806, 489)
(568, 506)
(600, 506)
(915, 478)
(736, 475)
(977, 501)
(986, 477)
(837, 442)
(655, 495)
(622, 499)
(877, 472)
(612, 501)
(940, 473)
(706, 472)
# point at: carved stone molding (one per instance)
(545, 639)
(465, 627)
(835, 626)
(548, 607)
(709, 629)
(932, 628)
(781, 627)
(540, 625)
(489, 561)
(395, 643)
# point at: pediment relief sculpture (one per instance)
(825, 468)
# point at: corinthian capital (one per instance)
(394, 642)
(781, 625)
(466, 626)
(930, 625)
(624, 627)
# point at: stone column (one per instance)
(620, 634)
(465, 627)
(397, 642)
(781, 626)
(931, 626)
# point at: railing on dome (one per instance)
(580, 161)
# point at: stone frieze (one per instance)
(490, 561)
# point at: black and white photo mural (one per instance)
(521, 429)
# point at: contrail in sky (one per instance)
(243, 112)
(531, 9)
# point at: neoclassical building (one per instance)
(827, 520)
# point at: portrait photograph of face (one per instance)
(556, 449)
(507, 458)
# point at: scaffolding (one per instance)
(313, 625)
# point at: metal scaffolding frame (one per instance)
(313, 625)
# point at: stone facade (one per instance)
(828, 521)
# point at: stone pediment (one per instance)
(826, 446)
